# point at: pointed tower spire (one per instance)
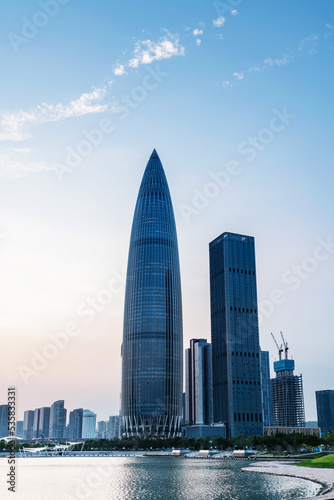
(154, 155)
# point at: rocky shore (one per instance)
(324, 477)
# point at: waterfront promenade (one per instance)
(325, 477)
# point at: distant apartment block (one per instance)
(28, 424)
(44, 422)
(19, 429)
(3, 421)
(88, 425)
(102, 430)
(57, 420)
(75, 424)
(114, 427)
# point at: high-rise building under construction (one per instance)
(287, 392)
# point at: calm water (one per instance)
(142, 478)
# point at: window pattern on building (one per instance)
(236, 377)
(266, 389)
(325, 410)
(288, 400)
(198, 374)
(152, 331)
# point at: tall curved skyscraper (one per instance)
(152, 350)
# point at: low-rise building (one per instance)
(306, 431)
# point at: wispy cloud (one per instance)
(309, 44)
(219, 22)
(18, 162)
(306, 46)
(15, 125)
(270, 62)
(234, 12)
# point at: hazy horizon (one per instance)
(237, 101)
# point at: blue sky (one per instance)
(208, 81)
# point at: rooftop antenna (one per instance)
(286, 348)
(280, 348)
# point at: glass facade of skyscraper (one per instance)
(152, 332)
(57, 420)
(325, 410)
(75, 424)
(198, 372)
(44, 422)
(236, 376)
(28, 424)
(266, 390)
(4, 421)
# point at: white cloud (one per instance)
(330, 26)
(282, 61)
(16, 163)
(239, 76)
(147, 51)
(219, 22)
(227, 83)
(234, 12)
(119, 70)
(198, 41)
(14, 125)
(197, 32)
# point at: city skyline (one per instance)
(237, 103)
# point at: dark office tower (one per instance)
(4, 421)
(266, 389)
(44, 422)
(57, 420)
(28, 424)
(198, 400)
(236, 376)
(287, 395)
(152, 330)
(325, 410)
(75, 424)
(183, 408)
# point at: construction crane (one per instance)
(280, 348)
(286, 348)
